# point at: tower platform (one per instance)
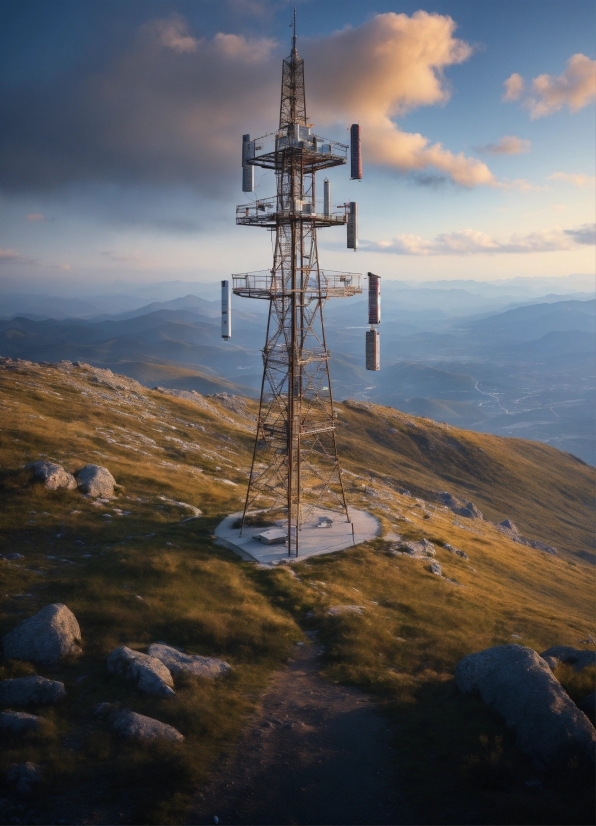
(314, 539)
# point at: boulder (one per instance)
(508, 525)
(458, 506)
(519, 685)
(588, 704)
(53, 476)
(435, 568)
(455, 551)
(133, 726)
(149, 674)
(180, 663)
(45, 638)
(18, 722)
(338, 610)
(418, 550)
(96, 481)
(25, 777)
(577, 657)
(30, 691)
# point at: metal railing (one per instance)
(270, 284)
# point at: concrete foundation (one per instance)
(313, 540)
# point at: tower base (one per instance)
(315, 537)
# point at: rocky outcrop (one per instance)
(133, 726)
(450, 549)
(180, 663)
(96, 481)
(149, 674)
(18, 722)
(45, 638)
(30, 691)
(578, 658)
(519, 685)
(435, 569)
(458, 506)
(511, 532)
(338, 610)
(53, 476)
(417, 550)
(25, 777)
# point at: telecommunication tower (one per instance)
(295, 466)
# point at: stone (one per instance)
(52, 475)
(133, 726)
(455, 551)
(18, 722)
(25, 777)
(30, 691)
(568, 655)
(508, 525)
(149, 674)
(338, 610)
(418, 550)
(588, 704)
(96, 481)
(517, 683)
(45, 638)
(458, 506)
(180, 663)
(435, 568)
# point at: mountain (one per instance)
(533, 321)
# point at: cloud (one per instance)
(8, 255)
(575, 88)
(514, 87)
(577, 179)
(507, 145)
(136, 258)
(35, 216)
(168, 109)
(471, 242)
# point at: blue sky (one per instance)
(122, 124)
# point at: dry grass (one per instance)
(403, 648)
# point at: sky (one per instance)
(122, 120)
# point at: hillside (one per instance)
(143, 568)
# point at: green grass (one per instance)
(415, 626)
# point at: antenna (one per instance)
(295, 466)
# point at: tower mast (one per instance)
(295, 466)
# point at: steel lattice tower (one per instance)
(295, 464)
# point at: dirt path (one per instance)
(314, 753)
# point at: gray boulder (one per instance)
(30, 691)
(96, 481)
(417, 550)
(179, 663)
(577, 657)
(338, 610)
(45, 638)
(149, 674)
(18, 722)
(25, 777)
(450, 549)
(507, 525)
(461, 508)
(53, 476)
(435, 568)
(133, 726)
(519, 685)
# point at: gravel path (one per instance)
(314, 753)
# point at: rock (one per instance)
(30, 691)
(508, 525)
(461, 508)
(53, 476)
(418, 550)
(337, 610)
(552, 662)
(435, 568)
(45, 638)
(25, 777)
(568, 655)
(135, 726)
(588, 704)
(179, 663)
(509, 529)
(519, 685)
(95, 480)
(18, 722)
(149, 674)
(455, 551)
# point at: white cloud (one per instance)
(35, 216)
(173, 34)
(472, 242)
(9, 255)
(575, 88)
(514, 87)
(507, 145)
(577, 179)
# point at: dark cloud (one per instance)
(585, 234)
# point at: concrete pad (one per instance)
(313, 540)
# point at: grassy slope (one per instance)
(414, 628)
